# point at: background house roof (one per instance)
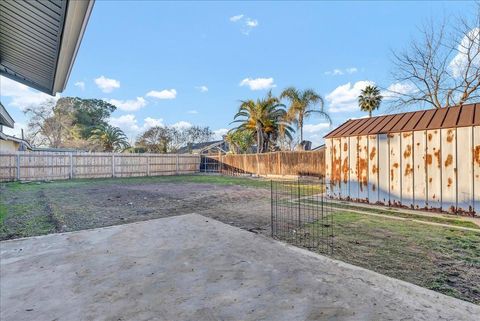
(5, 118)
(40, 39)
(460, 116)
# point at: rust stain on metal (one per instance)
(449, 160)
(373, 153)
(345, 147)
(345, 170)
(408, 151)
(476, 154)
(430, 137)
(336, 163)
(450, 135)
(408, 134)
(374, 169)
(428, 159)
(408, 170)
(362, 168)
(437, 156)
(449, 182)
(391, 174)
(430, 180)
(374, 187)
(395, 165)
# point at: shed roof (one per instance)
(40, 39)
(460, 116)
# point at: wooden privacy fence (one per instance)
(32, 166)
(305, 163)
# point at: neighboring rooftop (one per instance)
(40, 39)
(200, 147)
(5, 118)
(460, 116)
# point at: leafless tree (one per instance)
(45, 128)
(441, 69)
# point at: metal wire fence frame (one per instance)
(302, 214)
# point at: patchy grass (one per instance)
(438, 258)
(399, 213)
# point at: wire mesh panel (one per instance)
(302, 215)
(209, 165)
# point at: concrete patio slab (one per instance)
(194, 268)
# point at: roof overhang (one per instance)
(5, 118)
(39, 41)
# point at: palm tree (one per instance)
(302, 105)
(266, 118)
(110, 138)
(370, 99)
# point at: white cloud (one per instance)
(80, 84)
(192, 112)
(252, 23)
(107, 85)
(460, 61)
(21, 95)
(397, 89)
(236, 18)
(163, 94)
(258, 83)
(152, 122)
(315, 133)
(247, 24)
(129, 105)
(202, 89)
(130, 126)
(316, 128)
(16, 130)
(182, 125)
(340, 72)
(219, 133)
(344, 98)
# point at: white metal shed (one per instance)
(426, 159)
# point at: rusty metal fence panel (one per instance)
(372, 169)
(383, 169)
(465, 170)
(419, 169)
(434, 170)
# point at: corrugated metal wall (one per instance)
(436, 169)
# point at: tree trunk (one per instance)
(300, 125)
(370, 113)
(259, 139)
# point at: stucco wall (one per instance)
(7, 146)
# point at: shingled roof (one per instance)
(460, 116)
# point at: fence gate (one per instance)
(209, 165)
(302, 215)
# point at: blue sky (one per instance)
(191, 62)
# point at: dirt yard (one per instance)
(440, 258)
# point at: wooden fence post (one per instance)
(113, 165)
(148, 164)
(71, 165)
(176, 164)
(18, 166)
(279, 166)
